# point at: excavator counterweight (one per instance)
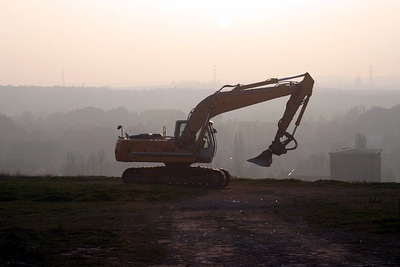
(194, 139)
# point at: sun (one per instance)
(224, 20)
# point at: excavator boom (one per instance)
(246, 95)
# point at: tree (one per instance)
(102, 162)
(71, 164)
(92, 164)
(98, 163)
(238, 154)
(354, 113)
(361, 141)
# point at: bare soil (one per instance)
(260, 226)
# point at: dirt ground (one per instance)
(252, 226)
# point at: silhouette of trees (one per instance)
(71, 164)
(96, 164)
(315, 165)
(237, 167)
(361, 141)
(354, 113)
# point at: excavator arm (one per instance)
(246, 95)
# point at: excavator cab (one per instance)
(207, 144)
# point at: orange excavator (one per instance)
(194, 139)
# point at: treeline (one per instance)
(71, 143)
(81, 142)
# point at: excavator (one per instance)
(194, 140)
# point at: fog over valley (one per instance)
(72, 131)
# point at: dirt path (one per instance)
(248, 227)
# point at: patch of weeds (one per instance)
(103, 196)
(8, 192)
(332, 183)
(91, 237)
(354, 214)
(169, 192)
(388, 225)
(22, 245)
(8, 196)
(268, 182)
(61, 245)
(94, 196)
(144, 244)
(324, 214)
(53, 196)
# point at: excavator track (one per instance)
(186, 176)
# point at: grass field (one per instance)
(95, 220)
(42, 218)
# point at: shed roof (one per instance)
(359, 151)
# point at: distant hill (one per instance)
(381, 121)
(46, 100)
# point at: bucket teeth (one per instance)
(263, 160)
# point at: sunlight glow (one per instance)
(130, 42)
(224, 20)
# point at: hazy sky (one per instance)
(129, 43)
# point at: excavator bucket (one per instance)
(263, 160)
